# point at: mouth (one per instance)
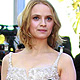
(42, 30)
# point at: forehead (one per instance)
(39, 8)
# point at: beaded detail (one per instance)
(42, 73)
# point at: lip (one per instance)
(42, 30)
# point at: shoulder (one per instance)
(66, 67)
(4, 67)
(5, 60)
(65, 58)
(65, 61)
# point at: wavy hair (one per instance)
(24, 24)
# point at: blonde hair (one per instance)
(24, 24)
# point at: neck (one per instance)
(40, 46)
(39, 43)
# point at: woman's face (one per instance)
(41, 21)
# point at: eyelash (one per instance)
(37, 18)
(49, 18)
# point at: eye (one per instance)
(36, 18)
(49, 18)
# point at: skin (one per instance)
(41, 54)
(41, 23)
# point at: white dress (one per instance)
(41, 73)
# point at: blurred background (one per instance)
(69, 15)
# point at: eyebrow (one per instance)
(40, 15)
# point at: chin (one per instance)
(42, 37)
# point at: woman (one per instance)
(39, 26)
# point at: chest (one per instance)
(48, 72)
(42, 73)
(30, 61)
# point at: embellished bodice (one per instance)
(41, 73)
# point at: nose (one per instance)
(43, 22)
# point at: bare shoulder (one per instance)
(4, 67)
(66, 58)
(65, 61)
(66, 67)
(17, 54)
(5, 60)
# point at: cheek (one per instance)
(34, 23)
(33, 26)
(51, 26)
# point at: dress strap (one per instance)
(10, 59)
(57, 60)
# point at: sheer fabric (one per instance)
(41, 73)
